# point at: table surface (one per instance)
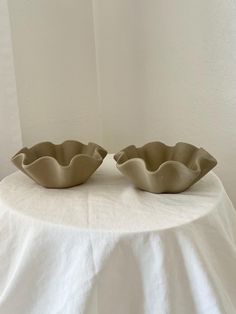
(109, 202)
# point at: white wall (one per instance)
(55, 69)
(10, 131)
(129, 71)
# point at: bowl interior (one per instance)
(156, 153)
(63, 153)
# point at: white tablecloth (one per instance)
(107, 248)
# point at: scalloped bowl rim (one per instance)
(23, 155)
(167, 162)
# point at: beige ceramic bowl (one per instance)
(158, 168)
(59, 166)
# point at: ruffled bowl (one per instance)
(59, 166)
(158, 168)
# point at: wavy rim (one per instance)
(121, 153)
(99, 154)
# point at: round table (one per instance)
(106, 247)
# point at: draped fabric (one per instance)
(10, 134)
(108, 248)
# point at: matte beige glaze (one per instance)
(158, 168)
(59, 166)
